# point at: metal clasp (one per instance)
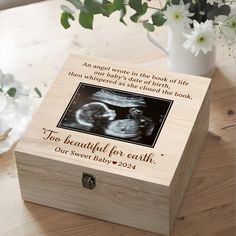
(89, 181)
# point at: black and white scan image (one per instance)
(116, 114)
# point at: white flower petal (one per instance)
(14, 118)
(228, 26)
(1, 78)
(177, 16)
(25, 90)
(219, 2)
(202, 38)
(24, 105)
(3, 102)
(8, 79)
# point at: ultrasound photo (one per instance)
(116, 114)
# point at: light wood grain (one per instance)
(147, 197)
(180, 120)
(209, 204)
(189, 159)
(59, 185)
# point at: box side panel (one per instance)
(189, 159)
(58, 184)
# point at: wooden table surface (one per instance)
(33, 46)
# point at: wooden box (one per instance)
(115, 142)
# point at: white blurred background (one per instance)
(4, 4)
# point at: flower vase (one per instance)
(183, 60)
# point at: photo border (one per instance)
(59, 125)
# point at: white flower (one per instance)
(15, 112)
(227, 25)
(8, 82)
(219, 2)
(177, 16)
(202, 38)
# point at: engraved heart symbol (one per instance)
(114, 162)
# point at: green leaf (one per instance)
(86, 20)
(93, 7)
(136, 5)
(122, 15)
(112, 7)
(38, 92)
(11, 92)
(65, 16)
(212, 13)
(148, 26)
(140, 9)
(224, 10)
(118, 4)
(217, 11)
(135, 17)
(1, 90)
(108, 7)
(77, 3)
(158, 19)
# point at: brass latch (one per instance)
(89, 181)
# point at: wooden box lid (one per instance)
(116, 119)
